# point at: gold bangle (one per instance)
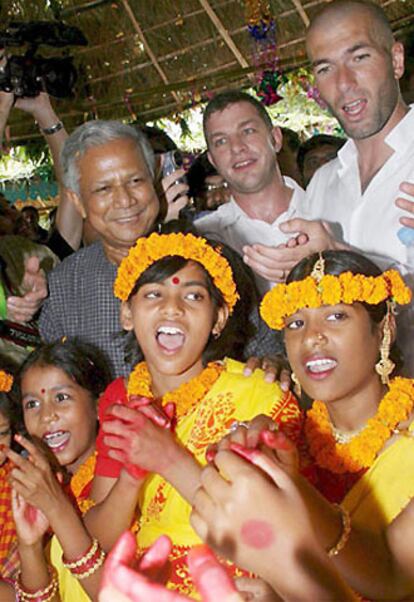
(345, 532)
(99, 562)
(46, 594)
(75, 564)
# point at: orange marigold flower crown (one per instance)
(325, 289)
(6, 381)
(150, 249)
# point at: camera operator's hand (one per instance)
(40, 107)
(6, 103)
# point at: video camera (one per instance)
(29, 74)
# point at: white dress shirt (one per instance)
(369, 220)
(231, 225)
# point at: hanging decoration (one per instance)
(262, 29)
(128, 104)
(305, 81)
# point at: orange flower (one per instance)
(286, 299)
(6, 381)
(186, 396)
(360, 452)
(150, 249)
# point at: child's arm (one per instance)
(31, 525)
(116, 507)
(34, 481)
(7, 593)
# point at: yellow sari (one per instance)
(386, 488)
(232, 397)
(163, 511)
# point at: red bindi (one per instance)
(43, 391)
(175, 280)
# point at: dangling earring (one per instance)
(298, 388)
(385, 365)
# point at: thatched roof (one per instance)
(156, 57)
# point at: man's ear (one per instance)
(74, 198)
(126, 316)
(210, 158)
(221, 321)
(277, 137)
(397, 54)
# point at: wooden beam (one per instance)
(148, 49)
(195, 13)
(80, 8)
(224, 33)
(302, 12)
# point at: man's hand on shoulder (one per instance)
(406, 204)
(34, 285)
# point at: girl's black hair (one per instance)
(9, 411)
(238, 328)
(81, 361)
(338, 262)
(8, 401)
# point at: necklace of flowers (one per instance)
(360, 452)
(185, 396)
(83, 476)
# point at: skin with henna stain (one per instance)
(30, 514)
(276, 440)
(212, 582)
(244, 452)
(257, 534)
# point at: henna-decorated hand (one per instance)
(33, 478)
(260, 433)
(31, 523)
(136, 439)
(258, 532)
(123, 584)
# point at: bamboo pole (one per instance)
(302, 12)
(148, 49)
(224, 33)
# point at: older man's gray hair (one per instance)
(95, 133)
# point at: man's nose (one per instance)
(122, 196)
(345, 77)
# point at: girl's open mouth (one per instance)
(170, 338)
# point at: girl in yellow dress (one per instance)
(59, 384)
(337, 310)
(178, 296)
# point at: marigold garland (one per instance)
(6, 381)
(361, 451)
(83, 476)
(286, 299)
(150, 249)
(185, 396)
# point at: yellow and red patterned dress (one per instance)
(9, 560)
(232, 397)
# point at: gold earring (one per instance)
(298, 388)
(385, 365)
